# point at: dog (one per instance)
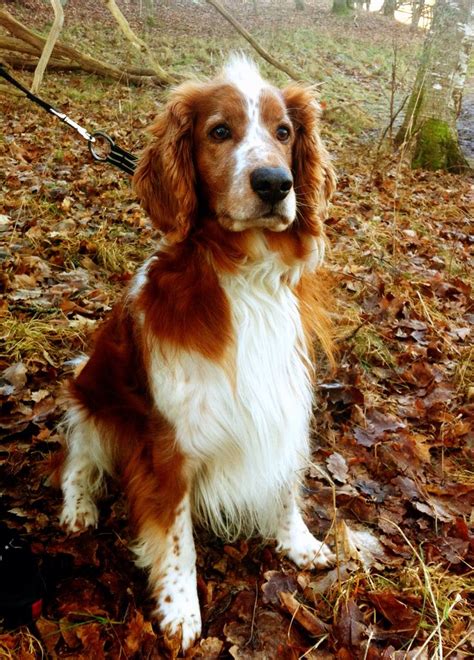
(198, 393)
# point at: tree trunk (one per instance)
(436, 97)
(388, 8)
(340, 7)
(417, 10)
(49, 45)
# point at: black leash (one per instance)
(101, 146)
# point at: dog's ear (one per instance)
(165, 179)
(313, 174)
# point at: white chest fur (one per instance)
(245, 429)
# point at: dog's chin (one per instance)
(272, 222)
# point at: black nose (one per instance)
(272, 184)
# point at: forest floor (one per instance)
(391, 486)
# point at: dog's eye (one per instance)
(220, 133)
(283, 133)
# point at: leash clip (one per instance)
(103, 149)
(100, 146)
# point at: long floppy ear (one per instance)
(313, 174)
(165, 179)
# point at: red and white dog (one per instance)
(198, 393)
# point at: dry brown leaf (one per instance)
(309, 621)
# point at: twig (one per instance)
(392, 121)
(252, 625)
(350, 336)
(261, 51)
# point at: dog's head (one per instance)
(239, 151)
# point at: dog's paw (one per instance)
(79, 515)
(179, 613)
(307, 552)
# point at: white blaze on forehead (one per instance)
(244, 75)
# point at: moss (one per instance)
(437, 148)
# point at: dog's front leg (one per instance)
(295, 539)
(170, 557)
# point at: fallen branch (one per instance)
(76, 59)
(261, 51)
(14, 59)
(11, 44)
(138, 43)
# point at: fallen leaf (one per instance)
(209, 648)
(378, 423)
(275, 583)
(361, 545)
(338, 467)
(138, 630)
(350, 625)
(332, 577)
(309, 621)
(398, 610)
(15, 376)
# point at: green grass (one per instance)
(25, 339)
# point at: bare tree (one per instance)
(435, 101)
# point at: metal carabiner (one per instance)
(103, 142)
(111, 153)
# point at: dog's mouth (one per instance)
(273, 220)
(274, 217)
(270, 220)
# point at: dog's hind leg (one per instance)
(82, 474)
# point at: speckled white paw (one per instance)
(79, 514)
(178, 610)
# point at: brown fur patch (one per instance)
(313, 174)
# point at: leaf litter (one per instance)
(392, 481)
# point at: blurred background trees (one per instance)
(435, 101)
